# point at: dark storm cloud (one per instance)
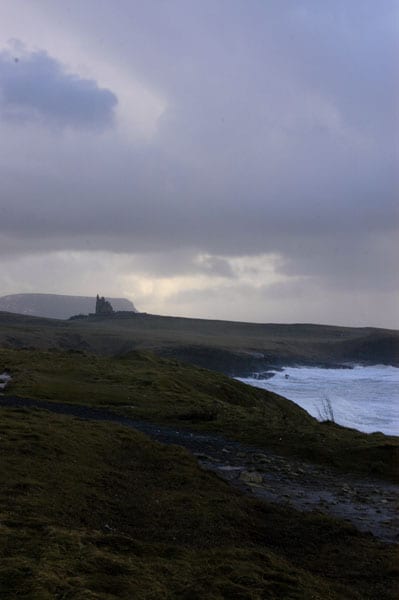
(34, 86)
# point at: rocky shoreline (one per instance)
(369, 504)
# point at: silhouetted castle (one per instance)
(103, 307)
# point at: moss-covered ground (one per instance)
(143, 386)
(97, 511)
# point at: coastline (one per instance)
(364, 397)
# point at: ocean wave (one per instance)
(364, 398)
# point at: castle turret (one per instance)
(103, 307)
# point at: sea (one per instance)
(363, 398)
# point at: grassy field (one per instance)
(221, 345)
(144, 386)
(96, 511)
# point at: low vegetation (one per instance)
(144, 386)
(228, 347)
(97, 511)
(325, 410)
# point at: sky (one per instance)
(224, 159)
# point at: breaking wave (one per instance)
(364, 398)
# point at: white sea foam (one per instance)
(365, 398)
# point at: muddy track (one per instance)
(371, 505)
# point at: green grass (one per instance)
(144, 386)
(96, 511)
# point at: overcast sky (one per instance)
(212, 158)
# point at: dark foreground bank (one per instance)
(91, 509)
(369, 504)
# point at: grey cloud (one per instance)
(217, 266)
(278, 137)
(183, 262)
(302, 300)
(135, 202)
(35, 87)
(338, 261)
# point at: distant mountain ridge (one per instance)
(57, 306)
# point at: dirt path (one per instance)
(369, 504)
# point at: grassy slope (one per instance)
(96, 511)
(221, 345)
(144, 386)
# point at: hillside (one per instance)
(229, 347)
(92, 509)
(143, 386)
(121, 517)
(56, 306)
